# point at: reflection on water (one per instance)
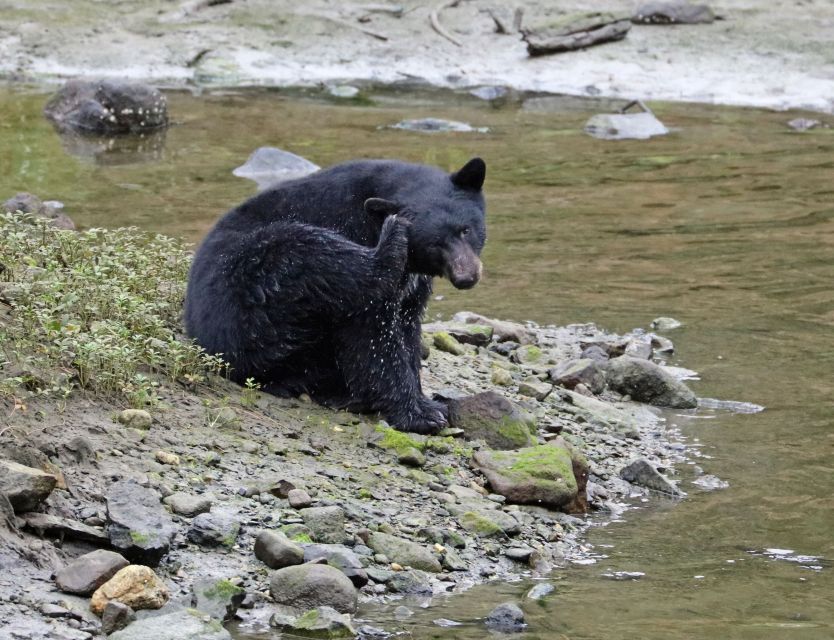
(726, 224)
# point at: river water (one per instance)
(726, 224)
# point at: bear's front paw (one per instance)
(429, 418)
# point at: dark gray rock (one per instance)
(116, 615)
(218, 598)
(107, 107)
(594, 352)
(674, 12)
(410, 582)
(308, 586)
(326, 524)
(585, 371)
(178, 625)
(139, 526)
(25, 487)
(64, 527)
(214, 529)
(574, 32)
(641, 472)
(321, 622)
(28, 203)
(188, 505)
(277, 551)
(506, 618)
(339, 557)
(646, 382)
(268, 166)
(490, 417)
(87, 573)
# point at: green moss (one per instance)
(398, 441)
(514, 430)
(222, 589)
(364, 494)
(440, 445)
(229, 540)
(444, 342)
(479, 525)
(481, 329)
(307, 619)
(139, 539)
(542, 462)
(531, 353)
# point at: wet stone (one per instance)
(540, 591)
(647, 382)
(321, 622)
(178, 625)
(218, 598)
(642, 473)
(341, 558)
(139, 526)
(404, 552)
(277, 551)
(87, 573)
(299, 499)
(188, 505)
(585, 371)
(214, 529)
(25, 487)
(506, 618)
(326, 524)
(492, 418)
(308, 586)
(116, 615)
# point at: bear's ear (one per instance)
(380, 208)
(471, 176)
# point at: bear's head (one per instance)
(447, 230)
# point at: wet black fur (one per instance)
(306, 288)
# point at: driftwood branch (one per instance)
(345, 23)
(435, 21)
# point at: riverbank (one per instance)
(764, 54)
(162, 443)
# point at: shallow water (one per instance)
(727, 224)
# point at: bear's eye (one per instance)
(464, 231)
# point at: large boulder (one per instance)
(107, 107)
(277, 551)
(139, 526)
(25, 487)
(492, 418)
(551, 475)
(308, 586)
(645, 381)
(136, 586)
(87, 573)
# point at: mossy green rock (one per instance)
(404, 552)
(491, 418)
(321, 622)
(551, 475)
(444, 342)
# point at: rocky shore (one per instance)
(205, 502)
(746, 52)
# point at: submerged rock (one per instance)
(321, 622)
(645, 381)
(107, 107)
(87, 573)
(490, 417)
(269, 166)
(308, 586)
(642, 473)
(139, 526)
(179, 625)
(664, 323)
(674, 12)
(550, 475)
(578, 31)
(25, 487)
(506, 618)
(135, 585)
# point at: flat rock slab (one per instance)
(87, 573)
(179, 625)
(404, 552)
(321, 622)
(308, 586)
(490, 417)
(188, 505)
(578, 31)
(136, 586)
(269, 166)
(214, 529)
(107, 107)
(71, 529)
(647, 382)
(25, 487)
(139, 526)
(550, 475)
(673, 13)
(339, 557)
(625, 126)
(642, 473)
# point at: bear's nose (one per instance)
(465, 283)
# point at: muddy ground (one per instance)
(767, 53)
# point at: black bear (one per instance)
(318, 285)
